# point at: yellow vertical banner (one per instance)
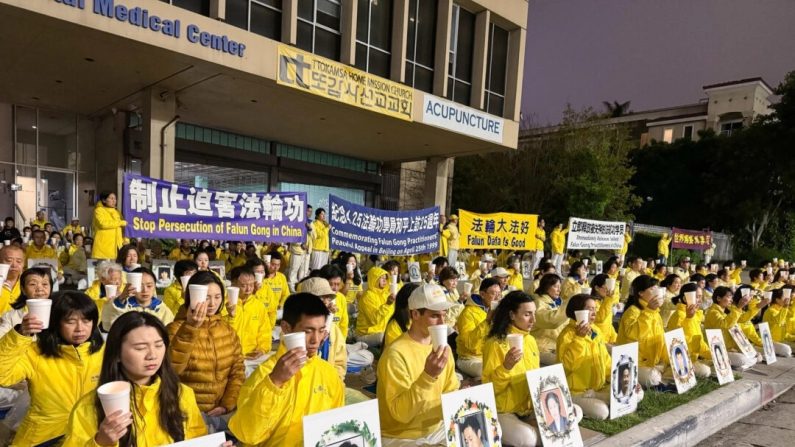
(508, 231)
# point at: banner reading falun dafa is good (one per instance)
(509, 231)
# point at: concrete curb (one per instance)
(691, 423)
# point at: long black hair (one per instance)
(401, 315)
(639, 284)
(502, 315)
(689, 287)
(171, 417)
(598, 281)
(342, 262)
(22, 299)
(204, 278)
(121, 256)
(547, 281)
(64, 305)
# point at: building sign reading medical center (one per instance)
(141, 17)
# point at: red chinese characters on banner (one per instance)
(691, 239)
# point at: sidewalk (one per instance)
(696, 421)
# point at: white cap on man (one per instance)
(500, 272)
(429, 296)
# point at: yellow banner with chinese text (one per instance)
(333, 80)
(509, 231)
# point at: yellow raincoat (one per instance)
(696, 345)
(252, 325)
(645, 327)
(374, 311)
(585, 359)
(108, 237)
(510, 386)
(472, 330)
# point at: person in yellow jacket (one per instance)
(333, 348)
(60, 363)
(515, 278)
(663, 250)
(412, 376)
(583, 352)
(634, 269)
(320, 241)
(689, 317)
(291, 384)
(448, 279)
(550, 317)
(173, 296)
(605, 293)
(540, 237)
(575, 281)
(442, 238)
(375, 307)
(110, 274)
(672, 285)
(622, 252)
(273, 280)
(162, 411)
(40, 220)
(182, 252)
(473, 325)
(641, 323)
(250, 319)
(452, 236)
(40, 250)
(73, 229)
(144, 300)
(505, 367)
(558, 245)
(14, 258)
(107, 228)
(333, 274)
(776, 316)
(724, 314)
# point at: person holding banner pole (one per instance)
(541, 236)
(108, 226)
(558, 242)
(320, 240)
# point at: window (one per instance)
(319, 27)
(496, 69)
(373, 36)
(198, 6)
(421, 44)
(263, 17)
(462, 42)
(687, 133)
(727, 128)
(668, 134)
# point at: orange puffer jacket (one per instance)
(208, 359)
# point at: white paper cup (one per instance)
(267, 259)
(198, 294)
(393, 289)
(111, 290)
(494, 304)
(610, 283)
(7, 242)
(184, 281)
(259, 277)
(349, 268)
(438, 335)
(582, 316)
(585, 262)
(41, 309)
(279, 314)
(644, 264)
(148, 252)
(431, 268)
(134, 280)
(4, 268)
(468, 288)
(786, 293)
(690, 298)
(232, 293)
(294, 340)
(114, 396)
(585, 290)
(515, 341)
(768, 295)
(135, 266)
(25, 239)
(88, 248)
(775, 260)
(394, 279)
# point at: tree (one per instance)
(616, 109)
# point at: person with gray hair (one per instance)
(109, 273)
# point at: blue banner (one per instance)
(359, 229)
(159, 209)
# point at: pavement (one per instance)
(734, 405)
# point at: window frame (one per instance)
(315, 25)
(412, 60)
(490, 64)
(369, 46)
(452, 79)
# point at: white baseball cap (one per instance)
(429, 296)
(317, 286)
(500, 272)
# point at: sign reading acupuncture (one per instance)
(159, 209)
(333, 80)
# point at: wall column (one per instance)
(436, 177)
(158, 150)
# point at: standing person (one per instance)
(540, 237)
(320, 240)
(290, 384)
(9, 232)
(452, 235)
(206, 354)
(298, 253)
(162, 411)
(14, 257)
(641, 322)
(60, 363)
(558, 242)
(107, 227)
(663, 249)
(412, 376)
(622, 252)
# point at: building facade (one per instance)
(365, 99)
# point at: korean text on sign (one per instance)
(498, 230)
(691, 239)
(360, 229)
(157, 208)
(333, 80)
(585, 234)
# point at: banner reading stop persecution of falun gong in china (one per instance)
(586, 234)
(333, 80)
(359, 229)
(156, 208)
(498, 230)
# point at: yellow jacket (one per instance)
(46, 252)
(696, 345)
(625, 247)
(353, 291)
(409, 400)
(253, 327)
(510, 386)
(40, 223)
(776, 317)
(452, 236)
(604, 317)
(662, 247)
(178, 255)
(585, 359)
(454, 312)
(558, 240)
(97, 293)
(235, 261)
(8, 295)
(341, 319)
(320, 236)
(172, 296)
(269, 299)
(541, 236)
(717, 318)
(626, 283)
(645, 327)
(550, 321)
(472, 330)
(392, 333)
(338, 353)
(149, 433)
(443, 241)
(570, 288)
(791, 318)
(55, 384)
(516, 279)
(374, 311)
(271, 416)
(108, 237)
(279, 288)
(75, 229)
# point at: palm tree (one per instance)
(616, 109)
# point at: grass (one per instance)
(653, 403)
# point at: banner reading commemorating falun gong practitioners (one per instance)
(586, 234)
(159, 209)
(359, 229)
(499, 230)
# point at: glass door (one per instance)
(55, 194)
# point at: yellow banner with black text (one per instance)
(508, 231)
